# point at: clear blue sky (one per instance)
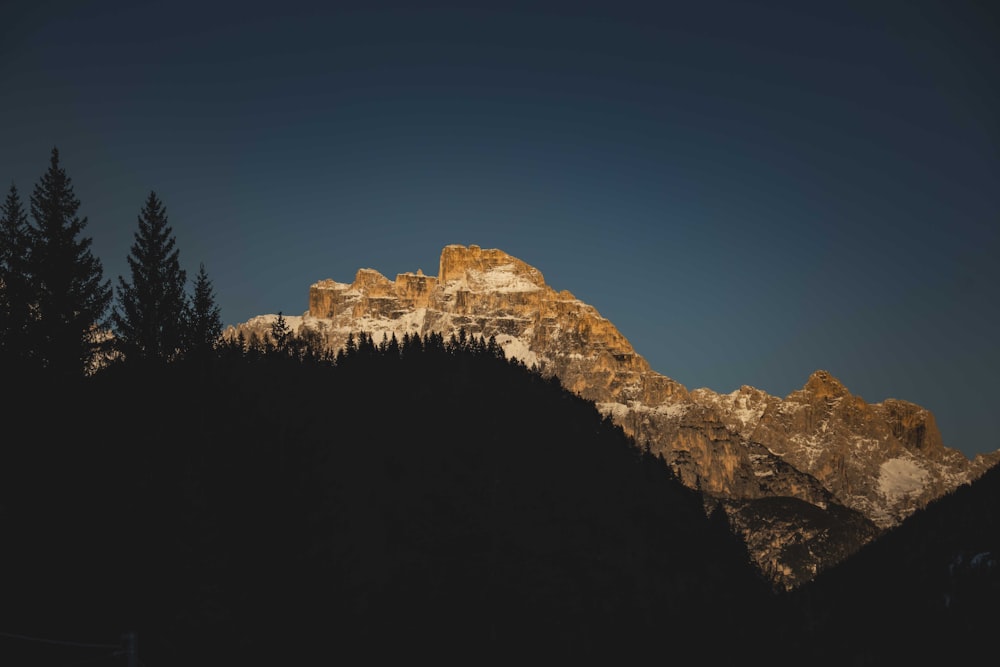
(748, 191)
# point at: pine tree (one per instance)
(280, 333)
(149, 315)
(393, 347)
(69, 293)
(203, 321)
(15, 281)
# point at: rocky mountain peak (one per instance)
(822, 385)
(366, 279)
(489, 269)
(842, 468)
(914, 426)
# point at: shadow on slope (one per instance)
(926, 592)
(437, 501)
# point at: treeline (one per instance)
(308, 345)
(433, 500)
(60, 316)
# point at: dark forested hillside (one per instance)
(927, 592)
(413, 499)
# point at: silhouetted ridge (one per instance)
(413, 498)
(935, 578)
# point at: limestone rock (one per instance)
(805, 479)
(885, 460)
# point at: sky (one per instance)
(749, 191)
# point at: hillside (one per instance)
(926, 592)
(430, 499)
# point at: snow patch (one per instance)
(790, 407)
(761, 465)
(672, 409)
(664, 409)
(503, 278)
(515, 347)
(901, 477)
(743, 410)
(613, 410)
(294, 322)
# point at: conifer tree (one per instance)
(204, 319)
(15, 283)
(148, 317)
(280, 333)
(69, 293)
(257, 345)
(393, 347)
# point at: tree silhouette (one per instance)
(69, 292)
(15, 285)
(204, 319)
(280, 333)
(149, 316)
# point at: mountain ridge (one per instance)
(871, 465)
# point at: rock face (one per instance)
(805, 480)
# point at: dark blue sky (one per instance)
(749, 191)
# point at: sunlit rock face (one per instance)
(805, 479)
(885, 460)
(488, 293)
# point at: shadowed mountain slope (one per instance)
(423, 501)
(925, 592)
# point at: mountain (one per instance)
(805, 480)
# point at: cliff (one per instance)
(805, 479)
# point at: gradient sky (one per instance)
(749, 191)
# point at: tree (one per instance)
(15, 283)
(280, 333)
(203, 322)
(70, 295)
(149, 315)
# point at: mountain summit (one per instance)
(806, 479)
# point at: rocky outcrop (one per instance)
(805, 479)
(885, 460)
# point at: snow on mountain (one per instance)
(820, 446)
